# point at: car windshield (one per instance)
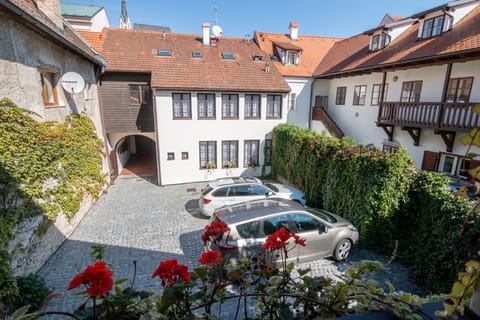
(322, 215)
(270, 186)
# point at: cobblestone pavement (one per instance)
(138, 220)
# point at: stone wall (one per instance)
(31, 251)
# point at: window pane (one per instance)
(437, 26)
(427, 28)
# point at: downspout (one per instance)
(157, 139)
(310, 105)
(444, 94)
(382, 96)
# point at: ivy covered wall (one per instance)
(46, 169)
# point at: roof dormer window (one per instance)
(379, 41)
(433, 27)
(292, 57)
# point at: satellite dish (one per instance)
(72, 82)
(216, 30)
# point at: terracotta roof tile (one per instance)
(353, 55)
(313, 51)
(137, 51)
(66, 36)
(94, 38)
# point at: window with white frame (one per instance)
(251, 153)
(359, 95)
(208, 154)
(274, 107)
(182, 106)
(206, 105)
(230, 154)
(292, 101)
(292, 57)
(229, 106)
(252, 106)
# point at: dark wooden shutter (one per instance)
(430, 160)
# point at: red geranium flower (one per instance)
(97, 278)
(214, 231)
(279, 239)
(170, 270)
(210, 258)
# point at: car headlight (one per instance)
(352, 227)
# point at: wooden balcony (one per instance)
(319, 114)
(455, 117)
(445, 118)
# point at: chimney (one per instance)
(52, 9)
(293, 30)
(206, 33)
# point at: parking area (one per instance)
(136, 220)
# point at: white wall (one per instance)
(302, 88)
(359, 121)
(179, 136)
(100, 21)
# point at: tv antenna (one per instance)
(216, 29)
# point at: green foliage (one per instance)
(386, 198)
(428, 225)
(362, 184)
(32, 293)
(45, 168)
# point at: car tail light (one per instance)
(206, 201)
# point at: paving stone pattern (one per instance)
(137, 220)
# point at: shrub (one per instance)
(32, 292)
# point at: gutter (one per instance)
(32, 20)
(310, 106)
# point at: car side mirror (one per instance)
(269, 194)
(322, 229)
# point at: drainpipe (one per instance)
(157, 144)
(382, 96)
(310, 105)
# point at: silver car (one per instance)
(326, 234)
(232, 190)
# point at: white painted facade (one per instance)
(180, 136)
(299, 114)
(359, 121)
(93, 24)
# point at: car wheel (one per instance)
(342, 250)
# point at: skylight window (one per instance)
(164, 52)
(257, 57)
(228, 56)
(197, 54)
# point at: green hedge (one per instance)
(384, 195)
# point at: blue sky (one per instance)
(337, 18)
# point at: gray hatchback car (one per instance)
(250, 223)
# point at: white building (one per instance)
(207, 103)
(85, 17)
(429, 65)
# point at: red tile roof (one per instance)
(137, 51)
(353, 56)
(27, 11)
(313, 49)
(94, 38)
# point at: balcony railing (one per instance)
(441, 116)
(320, 115)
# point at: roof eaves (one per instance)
(405, 63)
